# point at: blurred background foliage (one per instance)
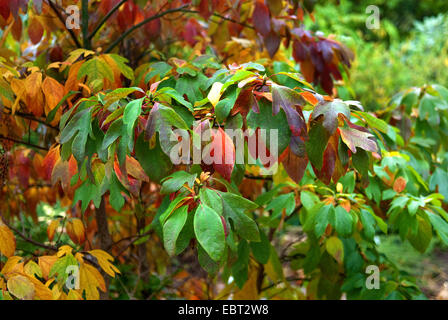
(408, 53)
(409, 49)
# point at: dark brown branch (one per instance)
(289, 279)
(31, 117)
(61, 18)
(105, 18)
(23, 142)
(28, 239)
(247, 176)
(133, 28)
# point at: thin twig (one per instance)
(105, 18)
(28, 239)
(23, 142)
(130, 30)
(31, 117)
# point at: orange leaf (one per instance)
(45, 264)
(7, 240)
(399, 184)
(76, 231)
(54, 92)
(34, 96)
(52, 229)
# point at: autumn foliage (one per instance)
(87, 117)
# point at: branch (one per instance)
(247, 176)
(234, 21)
(223, 17)
(28, 239)
(85, 23)
(61, 18)
(130, 30)
(23, 142)
(289, 279)
(105, 18)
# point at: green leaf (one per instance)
(234, 208)
(158, 68)
(170, 92)
(113, 133)
(360, 161)
(154, 161)
(53, 112)
(212, 199)
(209, 231)
(422, 238)
(131, 113)
(368, 223)
(285, 201)
(121, 64)
(241, 266)
(440, 226)
(330, 111)
(343, 221)
(87, 192)
(95, 69)
(316, 144)
(261, 250)
(59, 268)
(439, 179)
(374, 122)
(116, 199)
(175, 181)
(322, 219)
(207, 262)
(172, 118)
(265, 120)
(173, 227)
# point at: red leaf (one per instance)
(295, 166)
(223, 153)
(49, 162)
(261, 18)
(272, 43)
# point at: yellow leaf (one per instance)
(90, 281)
(52, 229)
(12, 265)
(76, 231)
(42, 292)
(103, 260)
(18, 87)
(32, 268)
(21, 287)
(79, 257)
(64, 250)
(73, 295)
(335, 248)
(215, 93)
(7, 240)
